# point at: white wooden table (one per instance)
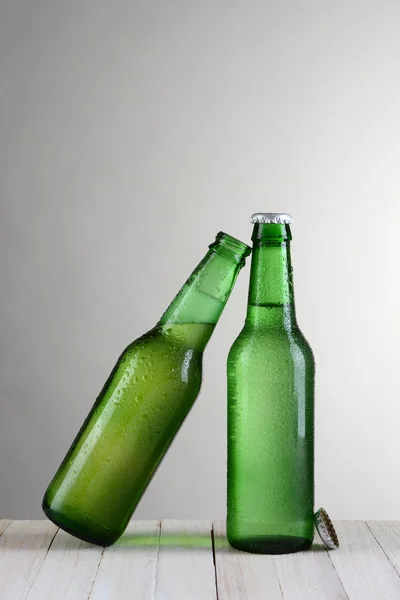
(191, 560)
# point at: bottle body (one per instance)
(270, 415)
(125, 435)
(138, 413)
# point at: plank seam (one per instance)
(40, 566)
(153, 594)
(5, 528)
(95, 575)
(337, 574)
(214, 560)
(277, 577)
(382, 548)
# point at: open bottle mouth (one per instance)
(231, 247)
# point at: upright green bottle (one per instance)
(271, 407)
(141, 406)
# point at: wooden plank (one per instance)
(185, 568)
(68, 571)
(361, 564)
(387, 534)
(242, 576)
(3, 525)
(309, 575)
(23, 547)
(128, 568)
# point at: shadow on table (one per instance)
(140, 540)
(169, 540)
(319, 548)
(188, 540)
(64, 541)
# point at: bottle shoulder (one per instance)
(179, 337)
(154, 364)
(266, 340)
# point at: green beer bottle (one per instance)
(141, 406)
(271, 407)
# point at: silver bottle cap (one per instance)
(278, 218)
(326, 529)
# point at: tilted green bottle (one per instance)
(271, 407)
(142, 405)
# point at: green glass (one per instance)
(142, 405)
(271, 410)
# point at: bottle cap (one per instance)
(326, 529)
(277, 218)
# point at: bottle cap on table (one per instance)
(277, 218)
(326, 529)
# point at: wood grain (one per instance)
(309, 575)
(3, 525)
(363, 568)
(23, 547)
(387, 534)
(128, 568)
(243, 576)
(185, 568)
(174, 560)
(68, 570)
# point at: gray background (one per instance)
(131, 133)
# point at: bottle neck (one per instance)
(202, 298)
(271, 296)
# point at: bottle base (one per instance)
(81, 531)
(271, 545)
